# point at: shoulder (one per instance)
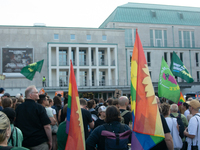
(19, 148)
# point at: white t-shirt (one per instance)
(193, 128)
(186, 113)
(53, 110)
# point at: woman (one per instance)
(57, 105)
(5, 132)
(91, 104)
(173, 126)
(113, 119)
(102, 116)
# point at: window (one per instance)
(82, 57)
(197, 59)
(83, 78)
(186, 39)
(102, 77)
(198, 80)
(158, 38)
(104, 37)
(72, 36)
(73, 56)
(101, 57)
(165, 56)
(149, 58)
(88, 37)
(150, 74)
(63, 78)
(128, 37)
(181, 57)
(63, 57)
(56, 36)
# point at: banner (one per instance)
(14, 59)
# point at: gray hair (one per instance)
(29, 90)
(174, 108)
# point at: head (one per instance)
(2, 90)
(112, 114)
(5, 130)
(6, 102)
(194, 106)
(65, 109)
(123, 101)
(102, 111)
(83, 103)
(174, 108)
(101, 100)
(57, 101)
(185, 106)
(165, 109)
(59, 95)
(10, 112)
(14, 102)
(50, 102)
(18, 95)
(116, 103)
(91, 104)
(6, 95)
(21, 100)
(110, 101)
(43, 100)
(32, 93)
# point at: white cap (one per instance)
(18, 95)
(102, 108)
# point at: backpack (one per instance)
(12, 139)
(122, 116)
(116, 141)
(6, 147)
(181, 125)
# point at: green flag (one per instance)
(167, 85)
(178, 69)
(30, 70)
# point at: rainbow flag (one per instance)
(74, 125)
(181, 99)
(147, 125)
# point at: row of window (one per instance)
(158, 38)
(73, 37)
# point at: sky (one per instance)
(69, 13)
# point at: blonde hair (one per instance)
(4, 125)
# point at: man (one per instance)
(5, 95)
(1, 92)
(87, 118)
(168, 142)
(174, 112)
(193, 130)
(185, 107)
(123, 103)
(32, 120)
(44, 81)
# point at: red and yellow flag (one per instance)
(147, 125)
(76, 138)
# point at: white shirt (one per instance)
(193, 128)
(186, 113)
(53, 110)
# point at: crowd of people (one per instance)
(37, 122)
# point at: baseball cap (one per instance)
(1, 90)
(102, 108)
(10, 112)
(194, 103)
(6, 94)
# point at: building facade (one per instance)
(101, 56)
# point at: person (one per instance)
(123, 103)
(5, 95)
(185, 107)
(193, 131)
(32, 120)
(102, 116)
(166, 144)
(14, 102)
(1, 108)
(174, 112)
(116, 103)
(5, 132)
(57, 105)
(16, 136)
(173, 126)
(87, 118)
(99, 104)
(91, 104)
(110, 101)
(113, 120)
(61, 133)
(61, 115)
(44, 81)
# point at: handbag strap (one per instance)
(197, 128)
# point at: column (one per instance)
(57, 64)
(50, 78)
(69, 54)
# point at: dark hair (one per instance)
(112, 114)
(65, 100)
(65, 109)
(110, 101)
(42, 98)
(57, 101)
(96, 100)
(186, 105)
(6, 102)
(165, 109)
(90, 103)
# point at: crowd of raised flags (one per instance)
(147, 130)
